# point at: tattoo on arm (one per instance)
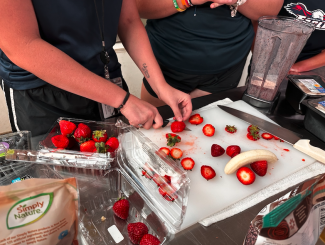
(145, 70)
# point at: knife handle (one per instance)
(314, 152)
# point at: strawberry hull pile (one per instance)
(88, 137)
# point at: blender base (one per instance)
(261, 103)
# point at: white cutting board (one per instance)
(209, 197)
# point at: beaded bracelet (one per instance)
(185, 4)
(176, 6)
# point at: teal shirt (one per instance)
(208, 43)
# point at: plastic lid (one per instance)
(317, 105)
(159, 179)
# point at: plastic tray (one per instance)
(138, 153)
(20, 140)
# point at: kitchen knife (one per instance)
(168, 123)
(283, 133)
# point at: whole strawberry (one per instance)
(217, 150)
(67, 128)
(99, 136)
(112, 144)
(136, 231)
(88, 146)
(195, 119)
(82, 133)
(149, 239)
(121, 208)
(253, 137)
(177, 126)
(233, 150)
(259, 167)
(60, 141)
(172, 139)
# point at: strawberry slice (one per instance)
(177, 126)
(147, 171)
(208, 130)
(168, 192)
(267, 136)
(176, 153)
(172, 139)
(165, 150)
(188, 163)
(245, 175)
(207, 172)
(160, 180)
(275, 137)
(195, 119)
(253, 137)
(231, 129)
(259, 167)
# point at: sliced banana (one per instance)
(248, 157)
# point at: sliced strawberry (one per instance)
(252, 129)
(112, 144)
(267, 136)
(245, 175)
(259, 167)
(188, 163)
(147, 171)
(208, 130)
(160, 180)
(165, 150)
(60, 141)
(172, 139)
(231, 129)
(253, 137)
(88, 146)
(217, 150)
(67, 128)
(195, 119)
(275, 137)
(176, 153)
(207, 172)
(233, 150)
(168, 192)
(177, 126)
(99, 136)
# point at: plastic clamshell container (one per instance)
(303, 87)
(20, 140)
(111, 130)
(314, 120)
(160, 181)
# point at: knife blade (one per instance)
(283, 133)
(166, 123)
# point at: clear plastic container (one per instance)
(20, 140)
(279, 41)
(140, 160)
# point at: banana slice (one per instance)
(248, 157)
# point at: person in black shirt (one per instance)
(203, 49)
(312, 55)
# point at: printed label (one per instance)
(312, 85)
(4, 146)
(22, 178)
(322, 103)
(29, 210)
(115, 233)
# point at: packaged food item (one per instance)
(39, 211)
(303, 87)
(296, 218)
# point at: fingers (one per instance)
(214, 5)
(177, 112)
(158, 121)
(187, 110)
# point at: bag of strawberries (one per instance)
(296, 218)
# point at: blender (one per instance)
(279, 41)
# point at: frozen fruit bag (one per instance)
(39, 211)
(297, 218)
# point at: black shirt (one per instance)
(72, 27)
(309, 11)
(208, 43)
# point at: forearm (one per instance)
(254, 9)
(58, 69)
(310, 64)
(149, 9)
(136, 42)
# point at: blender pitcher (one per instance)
(278, 43)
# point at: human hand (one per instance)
(215, 3)
(140, 112)
(298, 67)
(178, 101)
